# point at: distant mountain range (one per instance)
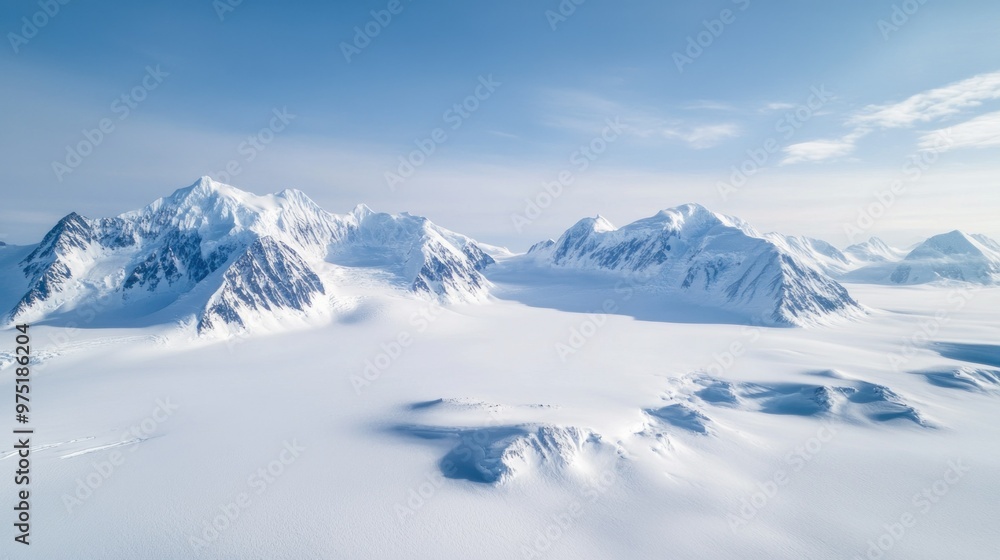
(953, 256)
(949, 257)
(227, 260)
(708, 259)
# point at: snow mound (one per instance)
(852, 401)
(718, 392)
(466, 404)
(496, 455)
(985, 354)
(863, 401)
(966, 378)
(681, 416)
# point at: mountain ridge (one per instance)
(707, 258)
(248, 257)
(161, 252)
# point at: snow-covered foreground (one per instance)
(405, 430)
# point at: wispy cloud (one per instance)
(503, 134)
(709, 105)
(578, 111)
(928, 106)
(777, 107)
(816, 150)
(706, 136)
(821, 150)
(582, 111)
(932, 104)
(980, 132)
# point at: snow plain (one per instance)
(533, 426)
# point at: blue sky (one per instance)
(887, 82)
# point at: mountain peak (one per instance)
(691, 209)
(875, 250)
(709, 259)
(603, 224)
(946, 244)
(206, 184)
(877, 242)
(362, 211)
(596, 224)
(259, 250)
(205, 188)
(687, 211)
(692, 215)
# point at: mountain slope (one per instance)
(428, 259)
(815, 252)
(873, 250)
(259, 253)
(269, 276)
(709, 259)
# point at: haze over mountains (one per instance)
(218, 258)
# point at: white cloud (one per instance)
(709, 105)
(503, 134)
(704, 136)
(980, 132)
(927, 106)
(933, 104)
(578, 111)
(817, 150)
(777, 107)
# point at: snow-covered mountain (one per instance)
(834, 262)
(872, 251)
(815, 252)
(268, 276)
(953, 256)
(234, 256)
(219, 258)
(704, 258)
